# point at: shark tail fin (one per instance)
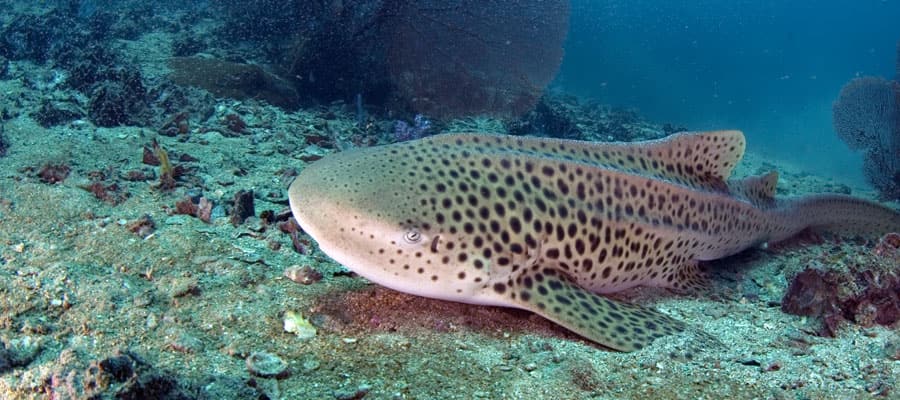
(840, 214)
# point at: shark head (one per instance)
(370, 210)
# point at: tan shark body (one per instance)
(548, 225)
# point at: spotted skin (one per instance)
(550, 225)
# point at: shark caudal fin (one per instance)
(839, 214)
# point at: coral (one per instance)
(37, 37)
(403, 131)
(155, 155)
(111, 194)
(881, 166)
(93, 65)
(235, 124)
(18, 352)
(120, 367)
(80, 45)
(143, 226)
(118, 101)
(178, 125)
(865, 113)
(566, 117)
(474, 57)
(812, 293)
(53, 173)
(889, 247)
(265, 20)
(200, 208)
(433, 57)
(866, 117)
(865, 293)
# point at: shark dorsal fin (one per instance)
(697, 159)
(759, 189)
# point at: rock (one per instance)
(352, 394)
(266, 365)
(4, 145)
(296, 324)
(235, 80)
(185, 342)
(4, 67)
(119, 367)
(6, 362)
(243, 207)
(182, 286)
(18, 352)
(53, 113)
(153, 386)
(305, 275)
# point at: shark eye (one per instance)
(412, 236)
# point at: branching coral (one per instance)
(866, 116)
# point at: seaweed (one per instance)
(166, 170)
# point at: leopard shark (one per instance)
(551, 225)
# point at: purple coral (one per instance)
(867, 117)
(403, 131)
(865, 113)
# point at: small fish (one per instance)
(551, 225)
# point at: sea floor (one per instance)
(117, 284)
(112, 293)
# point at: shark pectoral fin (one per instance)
(616, 325)
(689, 278)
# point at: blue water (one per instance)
(769, 68)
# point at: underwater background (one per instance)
(772, 68)
(148, 251)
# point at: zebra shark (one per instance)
(552, 225)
